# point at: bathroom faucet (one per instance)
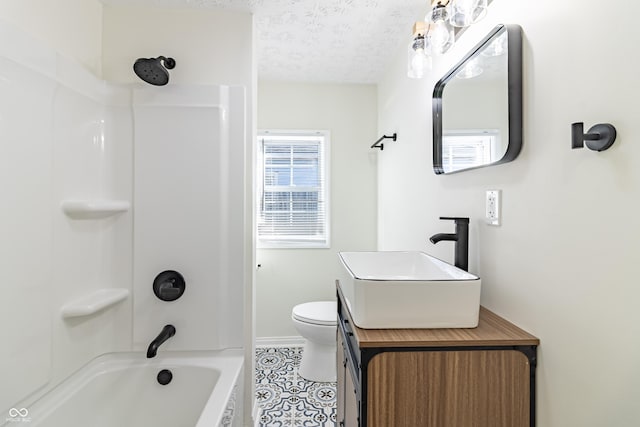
(167, 332)
(461, 237)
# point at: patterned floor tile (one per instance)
(286, 399)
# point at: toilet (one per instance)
(317, 323)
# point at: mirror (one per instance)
(477, 105)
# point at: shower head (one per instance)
(154, 70)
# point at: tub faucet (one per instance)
(167, 332)
(461, 237)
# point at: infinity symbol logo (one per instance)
(23, 412)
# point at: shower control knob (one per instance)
(169, 285)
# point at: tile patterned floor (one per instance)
(286, 399)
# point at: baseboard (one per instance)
(295, 341)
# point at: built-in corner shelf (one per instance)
(92, 209)
(94, 302)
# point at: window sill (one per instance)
(292, 245)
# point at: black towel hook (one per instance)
(380, 145)
(598, 137)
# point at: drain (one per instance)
(165, 376)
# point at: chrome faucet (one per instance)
(167, 332)
(461, 237)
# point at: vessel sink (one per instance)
(398, 290)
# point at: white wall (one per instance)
(70, 27)
(291, 276)
(209, 46)
(562, 264)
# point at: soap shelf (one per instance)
(94, 302)
(92, 209)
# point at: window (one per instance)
(293, 192)
(467, 149)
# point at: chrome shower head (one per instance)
(154, 70)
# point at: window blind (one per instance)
(293, 191)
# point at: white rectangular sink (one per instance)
(398, 290)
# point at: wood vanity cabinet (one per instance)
(480, 377)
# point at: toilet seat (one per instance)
(324, 313)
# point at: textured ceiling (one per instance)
(345, 41)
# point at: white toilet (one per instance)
(317, 323)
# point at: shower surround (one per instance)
(105, 186)
(188, 193)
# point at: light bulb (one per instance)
(420, 63)
(418, 59)
(441, 37)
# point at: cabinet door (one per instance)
(351, 417)
(347, 401)
(340, 387)
(480, 388)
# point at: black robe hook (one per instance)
(380, 145)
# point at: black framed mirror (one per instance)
(477, 105)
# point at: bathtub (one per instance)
(123, 390)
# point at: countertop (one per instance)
(492, 330)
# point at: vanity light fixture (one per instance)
(436, 34)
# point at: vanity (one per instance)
(449, 377)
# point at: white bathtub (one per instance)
(122, 390)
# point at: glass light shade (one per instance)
(466, 12)
(418, 59)
(440, 35)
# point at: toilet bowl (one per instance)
(317, 323)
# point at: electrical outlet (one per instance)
(493, 215)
